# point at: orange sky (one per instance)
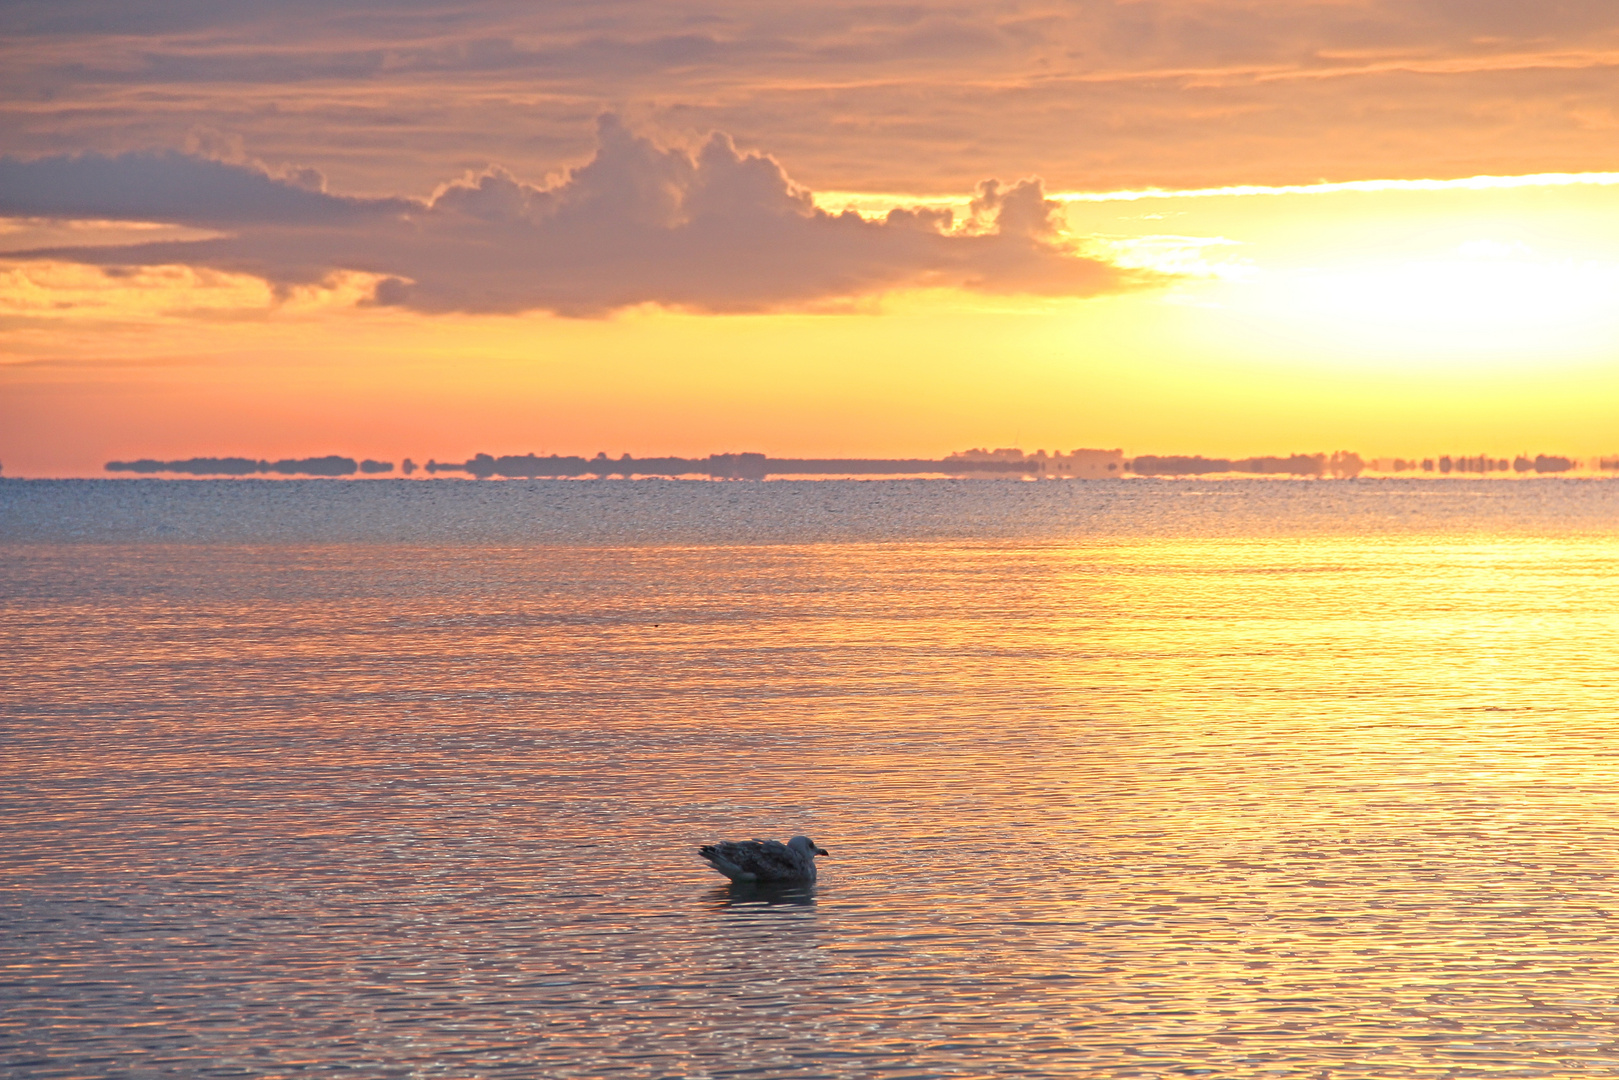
(408, 230)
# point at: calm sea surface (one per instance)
(1135, 779)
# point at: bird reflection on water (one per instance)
(755, 895)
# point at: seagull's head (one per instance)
(806, 845)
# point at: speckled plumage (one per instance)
(764, 860)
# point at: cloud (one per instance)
(174, 189)
(718, 230)
(923, 96)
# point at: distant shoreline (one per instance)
(1008, 464)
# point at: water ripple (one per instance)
(1108, 807)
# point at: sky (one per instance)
(430, 229)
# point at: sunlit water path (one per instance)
(1119, 780)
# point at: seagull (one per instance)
(764, 860)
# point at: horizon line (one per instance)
(1481, 182)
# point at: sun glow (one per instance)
(1514, 269)
(1484, 297)
(1517, 273)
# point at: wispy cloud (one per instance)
(919, 95)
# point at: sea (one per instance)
(387, 778)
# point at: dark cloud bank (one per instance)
(719, 230)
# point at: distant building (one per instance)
(1084, 465)
(1007, 463)
(1345, 465)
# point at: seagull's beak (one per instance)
(821, 851)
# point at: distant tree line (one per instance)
(330, 465)
(752, 466)
(717, 466)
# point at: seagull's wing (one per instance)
(756, 860)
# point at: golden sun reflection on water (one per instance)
(1375, 783)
